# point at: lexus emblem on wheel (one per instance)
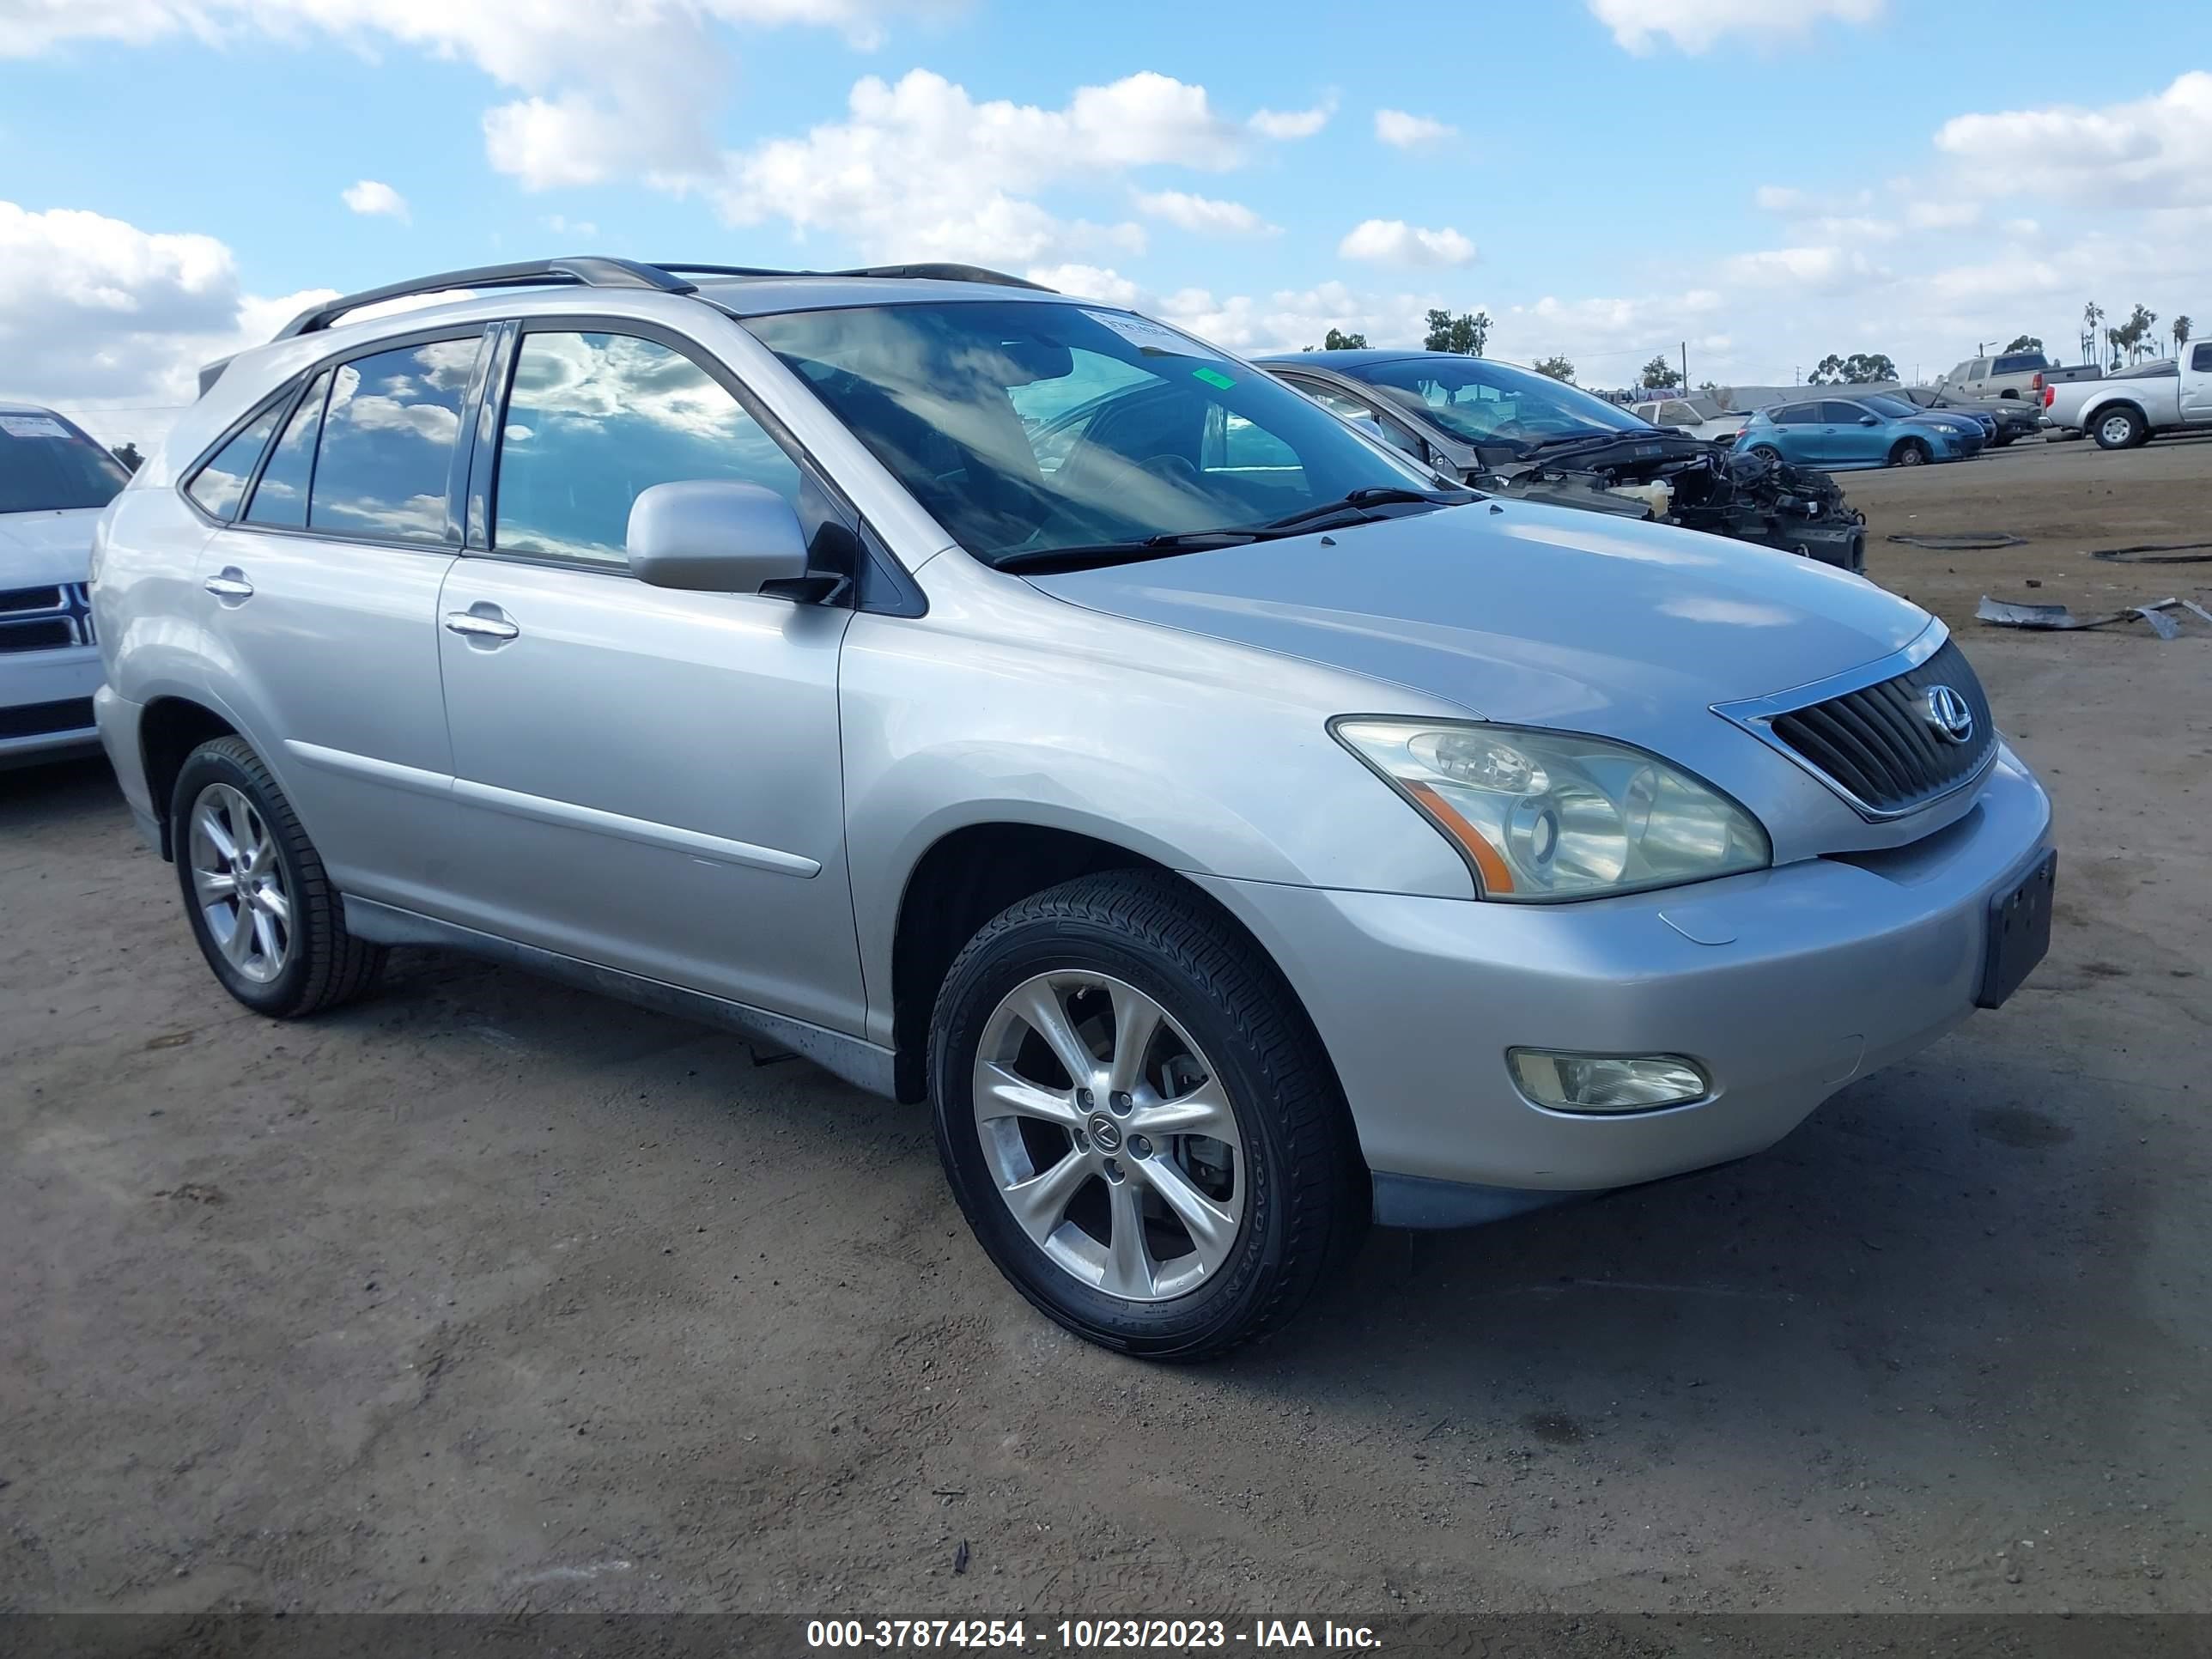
(1948, 713)
(1105, 1132)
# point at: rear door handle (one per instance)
(229, 585)
(473, 625)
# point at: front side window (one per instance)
(220, 486)
(47, 465)
(2200, 359)
(1678, 415)
(593, 420)
(948, 396)
(280, 498)
(1841, 414)
(390, 435)
(1367, 420)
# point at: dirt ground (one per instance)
(488, 1295)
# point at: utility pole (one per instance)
(1685, 365)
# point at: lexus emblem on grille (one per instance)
(1948, 713)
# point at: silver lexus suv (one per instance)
(1005, 700)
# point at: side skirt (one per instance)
(859, 1062)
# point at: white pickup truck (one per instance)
(2122, 411)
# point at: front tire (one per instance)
(1911, 453)
(1137, 1120)
(267, 919)
(2120, 429)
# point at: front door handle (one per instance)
(229, 585)
(473, 626)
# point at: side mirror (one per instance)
(711, 536)
(1869, 420)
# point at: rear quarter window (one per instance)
(219, 486)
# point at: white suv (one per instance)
(54, 480)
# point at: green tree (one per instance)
(1557, 368)
(2093, 315)
(2182, 327)
(1337, 340)
(1659, 375)
(127, 452)
(2025, 342)
(1860, 368)
(1467, 334)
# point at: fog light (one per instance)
(1605, 1083)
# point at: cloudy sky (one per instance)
(1769, 180)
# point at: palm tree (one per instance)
(2092, 315)
(2181, 327)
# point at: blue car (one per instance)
(1870, 429)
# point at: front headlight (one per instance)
(1543, 816)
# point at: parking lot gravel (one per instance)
(485, 1294)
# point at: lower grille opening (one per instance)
(38, 719)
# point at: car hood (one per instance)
(1526, 614)
(38, 548)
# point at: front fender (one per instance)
(1003, 705)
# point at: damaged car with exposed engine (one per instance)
(1515, 432)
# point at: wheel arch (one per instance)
(169, 729)
(969, 874)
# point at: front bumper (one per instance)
(1784, 985)
(45, 703)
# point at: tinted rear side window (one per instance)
(220, 486)
(385, 466)
(281, 497)
(47, 464)
(593, 420)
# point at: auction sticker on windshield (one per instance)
(1148, 336)
(32, 426)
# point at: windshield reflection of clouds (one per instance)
(594, 419)
(1027, 426)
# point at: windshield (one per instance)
(1895, 408)
(46, 464)
(1026, 428)
(1487, 402)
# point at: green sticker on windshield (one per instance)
(1213, 377)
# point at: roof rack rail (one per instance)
(938, 272)
(587, 270)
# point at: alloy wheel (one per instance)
(238, 883)
(1109, 1135)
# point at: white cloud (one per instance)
(1394, 242)
(1694, 26)
(1203, 213)
(1295, 123)
(1809, 267)
(1396, 126)
(2154, 152)
(562, 226)
(1942, 216)
(919, 168)
(1087, 282)
(371, 197)
(607, 89)
(99, 315)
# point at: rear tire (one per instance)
(2119, 429)
(260, 904)
(1134, 954)
(1911, 452)
(1768, 453)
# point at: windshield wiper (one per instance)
(1371, 495)
(1149, 547)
